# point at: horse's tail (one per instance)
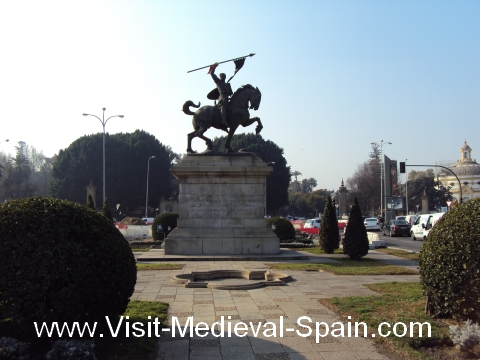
(187, 105)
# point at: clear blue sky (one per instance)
(334, 75)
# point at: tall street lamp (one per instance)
(146, 197)
(406, 189)
(6, 140)
(265, 198)
(104, 122)
(382, 176)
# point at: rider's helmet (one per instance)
(223, 76)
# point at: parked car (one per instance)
(423, 224)
(313, 223)
(342, 225)
(411, 219)
(401, 218)
(397, 227)
(419, 227)
(148, 220)
(432, 220)
(371, 224)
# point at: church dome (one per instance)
(466, 168)
(466, 165)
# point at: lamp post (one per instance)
(382, 176)
(146, 197)
(417, 208)
(406, 188)
(265, 195)
(393, 211)
(104, 122)
(6, 140)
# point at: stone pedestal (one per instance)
(221, 206)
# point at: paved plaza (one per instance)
(280, 305)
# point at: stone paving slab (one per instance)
(275, 305)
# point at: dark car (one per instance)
(397, 227)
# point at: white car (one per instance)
(411, 219)
(313, 223)
(422, 225)
(372, 224)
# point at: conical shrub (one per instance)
(329, 240)
(90, 203)
(106, 210)
(355, 243)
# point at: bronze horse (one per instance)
(209, 116)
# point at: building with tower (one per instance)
(467, 171)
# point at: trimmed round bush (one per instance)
(165, 219)
(450, 264)
(284, 228)
(60, 261)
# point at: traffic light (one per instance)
(402, 168)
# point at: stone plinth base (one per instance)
(221, 207)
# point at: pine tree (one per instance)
(329, 228)
(355, 243)
(106, 210)
(90, 203)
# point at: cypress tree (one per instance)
(329, 228)
(355, 243)
(90, 203)
(106, 210)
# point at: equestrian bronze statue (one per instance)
(237, 113)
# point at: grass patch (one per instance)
(400, 253)
(139, 348)
(399, 302)
(159, 266)
(140, 249)
(348, 267)
(318, 250)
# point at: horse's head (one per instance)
(255, 98)
(245, 95)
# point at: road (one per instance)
(402, 242)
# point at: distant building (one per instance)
(468, 171)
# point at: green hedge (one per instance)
(450, 263)
(165, 219)
(284, 228)
(60, 261)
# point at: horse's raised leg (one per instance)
(199, 134)
(229, 137)
(259, 126)
(251, 121)
(190, 137)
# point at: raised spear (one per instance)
(204, 67)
